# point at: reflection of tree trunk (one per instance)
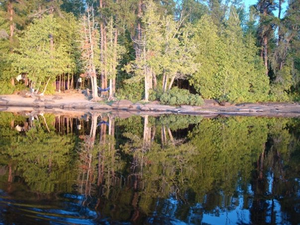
(87, 158)
(261, 165)
(10, 176)
(101, 159)
(163, 135)
(134, 203)
(93, 127)
(171, 135)
(153, 133)
(147, 133)
(45, 123)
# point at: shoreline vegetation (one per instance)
(78, 103)
(174, 52)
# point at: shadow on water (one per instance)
(101, 169)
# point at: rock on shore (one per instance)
(75, 102)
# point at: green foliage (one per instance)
(6, 87)
(131, 91)
(280, 88)
(230, 68)
(155, 94)
(178, 96)
(42, 54)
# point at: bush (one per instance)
(131, 91)
(155, 94)
(177, 96)
(8, 88)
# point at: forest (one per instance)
(178, 52)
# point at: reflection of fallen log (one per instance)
(3, 102)
(3, 108)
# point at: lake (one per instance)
(169, 169)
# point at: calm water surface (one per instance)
(100, 169)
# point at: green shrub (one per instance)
(173, 100)
(131, 91)
(164, 98)
(177, 96)
(7, 88)
(155, 94)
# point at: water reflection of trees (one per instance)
(37, 157)
(275, 184)
(142, 168)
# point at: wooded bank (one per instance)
(152, 50)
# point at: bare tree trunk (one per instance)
(68, 82)
(265, 47)
(154, 80)
(93, 75)
(164, 87)
(105, 59)
(171, 82)
(11, 12)
(72, 81)
(102, 52)
(113, 92)
(102, 49)
(146, 72)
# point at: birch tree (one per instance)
(90, 48)
(112, 55)
(177, 52)
(148, 50)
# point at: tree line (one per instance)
(142, 49)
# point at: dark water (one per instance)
(100, 169)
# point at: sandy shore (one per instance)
(79, 103)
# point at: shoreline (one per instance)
(71, 103)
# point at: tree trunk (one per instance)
(102, 53)
(164, 87)
(104, 60)
(154, 80)
(171, 83)
(265, 54)
(68, 80)
(10, 10)
(93, 75)
(113, 82)
(146, 76)
(147, 133)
